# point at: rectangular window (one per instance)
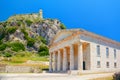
(107, 64)
(107, 52)
(115, 65)
(115, 54)
(98, 64)
(98, 50)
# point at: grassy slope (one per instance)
(20, 60)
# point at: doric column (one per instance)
(64, 59)
(59, 61)
(80, 57)
(54, 61)
(71, 57)
(50, 62)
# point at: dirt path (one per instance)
(93, 76)
(50, 76)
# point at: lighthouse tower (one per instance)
(41, 14)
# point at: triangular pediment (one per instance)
(62, 34)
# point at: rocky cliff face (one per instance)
(31, 33)
(47, 29)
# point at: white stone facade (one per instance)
(76, 50)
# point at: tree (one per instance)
(43, 50)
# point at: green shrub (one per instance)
(0, 23)
(4, 24)
(29, 22)
(43, 53)
(42, 39)
(11, 30)
(2, 36)
(25, 33)
(17, 46)
(8, 44)
(19, 23)
(43, 50)
(24, 54)
(62, 26)
(2, 33)
(30, 42)
(1, 42)
(2, 47)
(7, 54)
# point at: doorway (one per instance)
(84, 65)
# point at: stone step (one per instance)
(73, 72)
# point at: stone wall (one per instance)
(2, 68)
(19, 69)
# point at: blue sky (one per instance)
(99, 16)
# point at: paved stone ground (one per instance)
(50, 76)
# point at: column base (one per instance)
(50, 71)
(73, 72)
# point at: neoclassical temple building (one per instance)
(80, 50)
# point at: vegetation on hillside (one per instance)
(62, 26)
(16, 46)
(10, 29)
(43, 50)
(24, 58)
(25, 38)
(20, 41)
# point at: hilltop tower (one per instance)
(41, 14)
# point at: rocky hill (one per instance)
(29, 32)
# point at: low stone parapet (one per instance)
(2, 68)
(18, 69)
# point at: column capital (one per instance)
(64, 48)
(79, 43)
(58, 50)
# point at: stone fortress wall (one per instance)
(31, 16)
